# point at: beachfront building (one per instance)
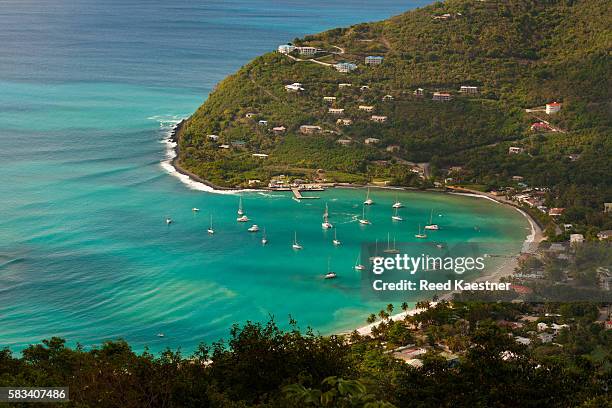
(470, 90)
(387, 98)
(286, 49)
(441, 96)
(515, 150)
(310, 129)
(553, 107)
(345, 67)
(419, 92)
(373, 60)
(371, 141)
(379, 119)
(307, 51)
(366, 108)
(344, 122)
(294, 87)
(335, 111)
(329, 98)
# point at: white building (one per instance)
(310, 129)
(373, 60)
(371, 141)
(441, 96)
(335, 111)
(308, 51)
(379, 119)
(344, 85)
(367, 108)
(387, 98)
(329, 98)
(344, 122)
(286, 49)
(345, 67)
(214, 138)
(576, 238)
(553, 107)
(515, 150)
(294, 87)
(468, 89)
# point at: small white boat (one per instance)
(329, 274)
(240, 211)
(296, 244)
(253, 228)
(169, 221)
(161, 335)
(431, 225)
(420, 235)
(326, 224)
(243, 218)
(336, 241)
(396, 216)
(264, 239)
(364, 220)
(368, 200)
(210, 229)
(195, 209)
(358, 265)
(397, 203)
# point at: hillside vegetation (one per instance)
(520, 54)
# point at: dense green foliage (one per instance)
(519, 53)
(263, 366)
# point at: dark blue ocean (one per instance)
(88, 91)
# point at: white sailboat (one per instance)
(210, 229)
(368, 200)
(390, 250)
(253, 228)
(358, 265)
(329, 274)
(264, 238)
(420, 235)
(364, 220)
(395, 216)
(195, 209)
(240, 211)
(168, 220)
(336, 241)
(296, 244)
(397, 203)
(431, 225)
(326, 224)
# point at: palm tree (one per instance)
(390, 308)
(383, 315)
(371, 318)
(404, 306)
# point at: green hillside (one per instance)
(519, 55)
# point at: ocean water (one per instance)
(88, 91)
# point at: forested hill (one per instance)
(519, 54)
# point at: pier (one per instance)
(298, 196)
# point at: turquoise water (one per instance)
(88, 91)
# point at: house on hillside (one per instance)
(373, 60)
(378, 119)
(310, 129)
(371, 141)
(345, 67)
(419, 92)
(441, 96)
(344, 122)
(470, 90)
(393, 148)
(329, 99)
(307, 51)
(344, 142)
(344, 85)
(335, 111)
(540, 127)
(366, 108)
(603, 235)
(294, 87)
(552, 107)
(387, 98)
(515, 150)
(556, 212)
(286, 49)
(279, 129)
(214, 138)
(260, 155)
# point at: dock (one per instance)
(298, 196)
